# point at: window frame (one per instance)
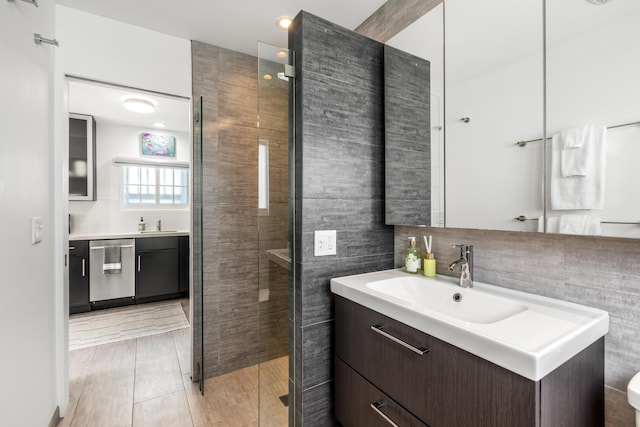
(157, 204)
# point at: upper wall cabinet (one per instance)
(407, 139)
(82, 160)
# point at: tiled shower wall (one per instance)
(594, 271)
(339, 174)
(227, 82)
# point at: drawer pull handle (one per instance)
(376, 407)
(379, 329)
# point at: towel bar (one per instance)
(524, 144)
(523, 218)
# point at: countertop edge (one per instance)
(131, 235)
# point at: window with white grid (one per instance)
(164, 187)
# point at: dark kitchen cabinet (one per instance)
(79, 276)
(82, 157)
(157, 268)
(442, 385)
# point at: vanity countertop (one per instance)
(528, 334)
(128, 235)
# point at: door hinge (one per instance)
(290, 71)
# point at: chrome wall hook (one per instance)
(33, 2)
(38, 39)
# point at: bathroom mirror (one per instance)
(494, 98)
(593, 71)
(494, 61)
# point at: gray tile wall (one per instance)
(407, 138)
(233, 336)
(339, 186)
(597, 272)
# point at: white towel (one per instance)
(580, 192)
(577, 146)
(573, 138)
(552, 224)
(579, 224)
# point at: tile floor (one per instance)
(146, 382)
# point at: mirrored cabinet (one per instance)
(82, 157)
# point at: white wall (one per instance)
(101, 49)
(107, 214)
(110, 51)
(27, 332)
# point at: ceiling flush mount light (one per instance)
(160, 125)
(282, 54)
(283, 22)
(267, 77)
(139, 104)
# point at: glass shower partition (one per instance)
(197, 299)
(274, 255)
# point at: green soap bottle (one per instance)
(413, 257)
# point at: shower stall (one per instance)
(241, 245)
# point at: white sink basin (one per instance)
(458, 303)
(528, 334)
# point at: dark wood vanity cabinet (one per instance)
(79, 276)
(446, 386)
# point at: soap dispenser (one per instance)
(413, 257)
(141, 225)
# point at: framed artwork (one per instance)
(153, 144)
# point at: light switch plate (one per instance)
(324, 242)
(37, 230)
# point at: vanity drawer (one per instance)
(444, 386)
(366, 341)
(359, 403)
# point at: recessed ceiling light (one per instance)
(139, 103)
(284, 22)
(267, 77)
(160, 125)
(282, 54)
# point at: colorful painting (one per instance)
(153, 144)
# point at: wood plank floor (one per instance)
(146, 382)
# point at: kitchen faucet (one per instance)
(466, 265)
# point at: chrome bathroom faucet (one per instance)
(466, 265)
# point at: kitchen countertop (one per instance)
(130, 235)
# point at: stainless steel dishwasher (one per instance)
(112, 269)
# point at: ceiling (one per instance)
(235, 25)
(104, 103)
